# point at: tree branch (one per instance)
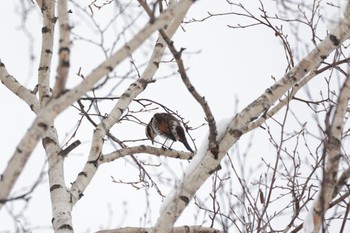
(197, 174)
(106, 158)
(343, 179)
(64, 49)
(334, 154)
(49, 20)
(283, 102)
(23, 93)
(126, 98)
(213, 145)
(183, 229)
(56, 106)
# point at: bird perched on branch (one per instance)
(167, 126)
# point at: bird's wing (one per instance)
(165, 128)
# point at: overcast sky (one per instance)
(225, 66)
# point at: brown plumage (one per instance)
(167, 126)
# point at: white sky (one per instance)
(230, 64)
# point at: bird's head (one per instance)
(150, 134)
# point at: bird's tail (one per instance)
(187, 146)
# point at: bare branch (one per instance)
(144, 149)
(49, 20)
(64, 49)
(126, 98)
(187, 229)
(56, 106)
(13, 85)
(196, 175)
(334, 155)
(213, 145)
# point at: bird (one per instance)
(168, 127)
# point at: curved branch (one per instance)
(197, 174)
(23, 93)
(53, 108)
(106, 158)
(213, 145)
(126, 98)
